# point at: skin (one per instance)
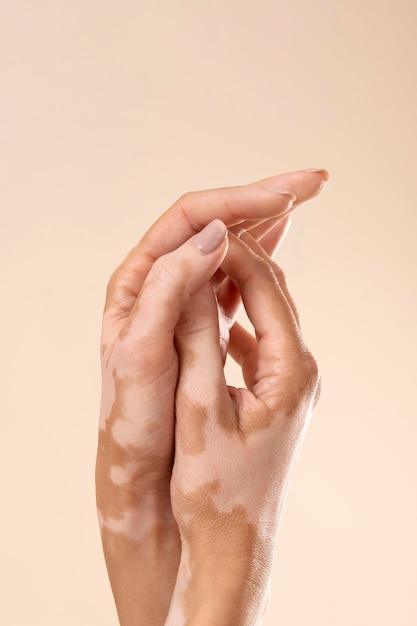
(233, 462)
(168, 322)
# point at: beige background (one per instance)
(109, 111)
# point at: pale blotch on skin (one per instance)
(131, 583)
(121, 475)
(112, 383)
(127, 525)
(184, 580)
(110, 453)
(207, 452)
(108, 398)
(229, 485)
(122, 464)
(123, 431)
(136, 522)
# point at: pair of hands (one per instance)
(191, 473)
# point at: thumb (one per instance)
(165, 293)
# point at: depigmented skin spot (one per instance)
(133, 502)
(132, 584)
(206, 450)
(134, 461)
(227, 494)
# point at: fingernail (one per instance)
(323, 172)
(284, 192)
(208, 239)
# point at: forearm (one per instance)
(142, 556)
(221, 590)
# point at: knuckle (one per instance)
(186, 197)
(186, 200)
(309, 370)
(117, 294)
(166, 286)
(318, 390)
(111, 285)
(302, 387)
(166, 273)
(308, 378)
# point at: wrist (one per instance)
(142, 564)
(142, 548)
(221, 589)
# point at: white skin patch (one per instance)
(128, 525)
(124, 431)
(176, 615)
(225, 456)
(121, 475)
(108, 398)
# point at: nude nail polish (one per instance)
(210, 238)
(323, 172)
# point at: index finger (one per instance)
(184, 219)
(190, 213)
(262, 199)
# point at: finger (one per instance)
(270, 243)
(228, 296)
(186, 217)
(271, 237)
(280, 226)
(243, 348)
(257, 229)
(279, 370)
(233, 205)
(192, 212)
(260, 230)
(305, 184)
(312, 186)
(276, 328)
(148, 332)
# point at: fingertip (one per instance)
(211, 237)
(324, 174)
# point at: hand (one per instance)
(145, 298)
(235, 448)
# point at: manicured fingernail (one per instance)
(323, 172)
(284, 192)
(212, 235)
